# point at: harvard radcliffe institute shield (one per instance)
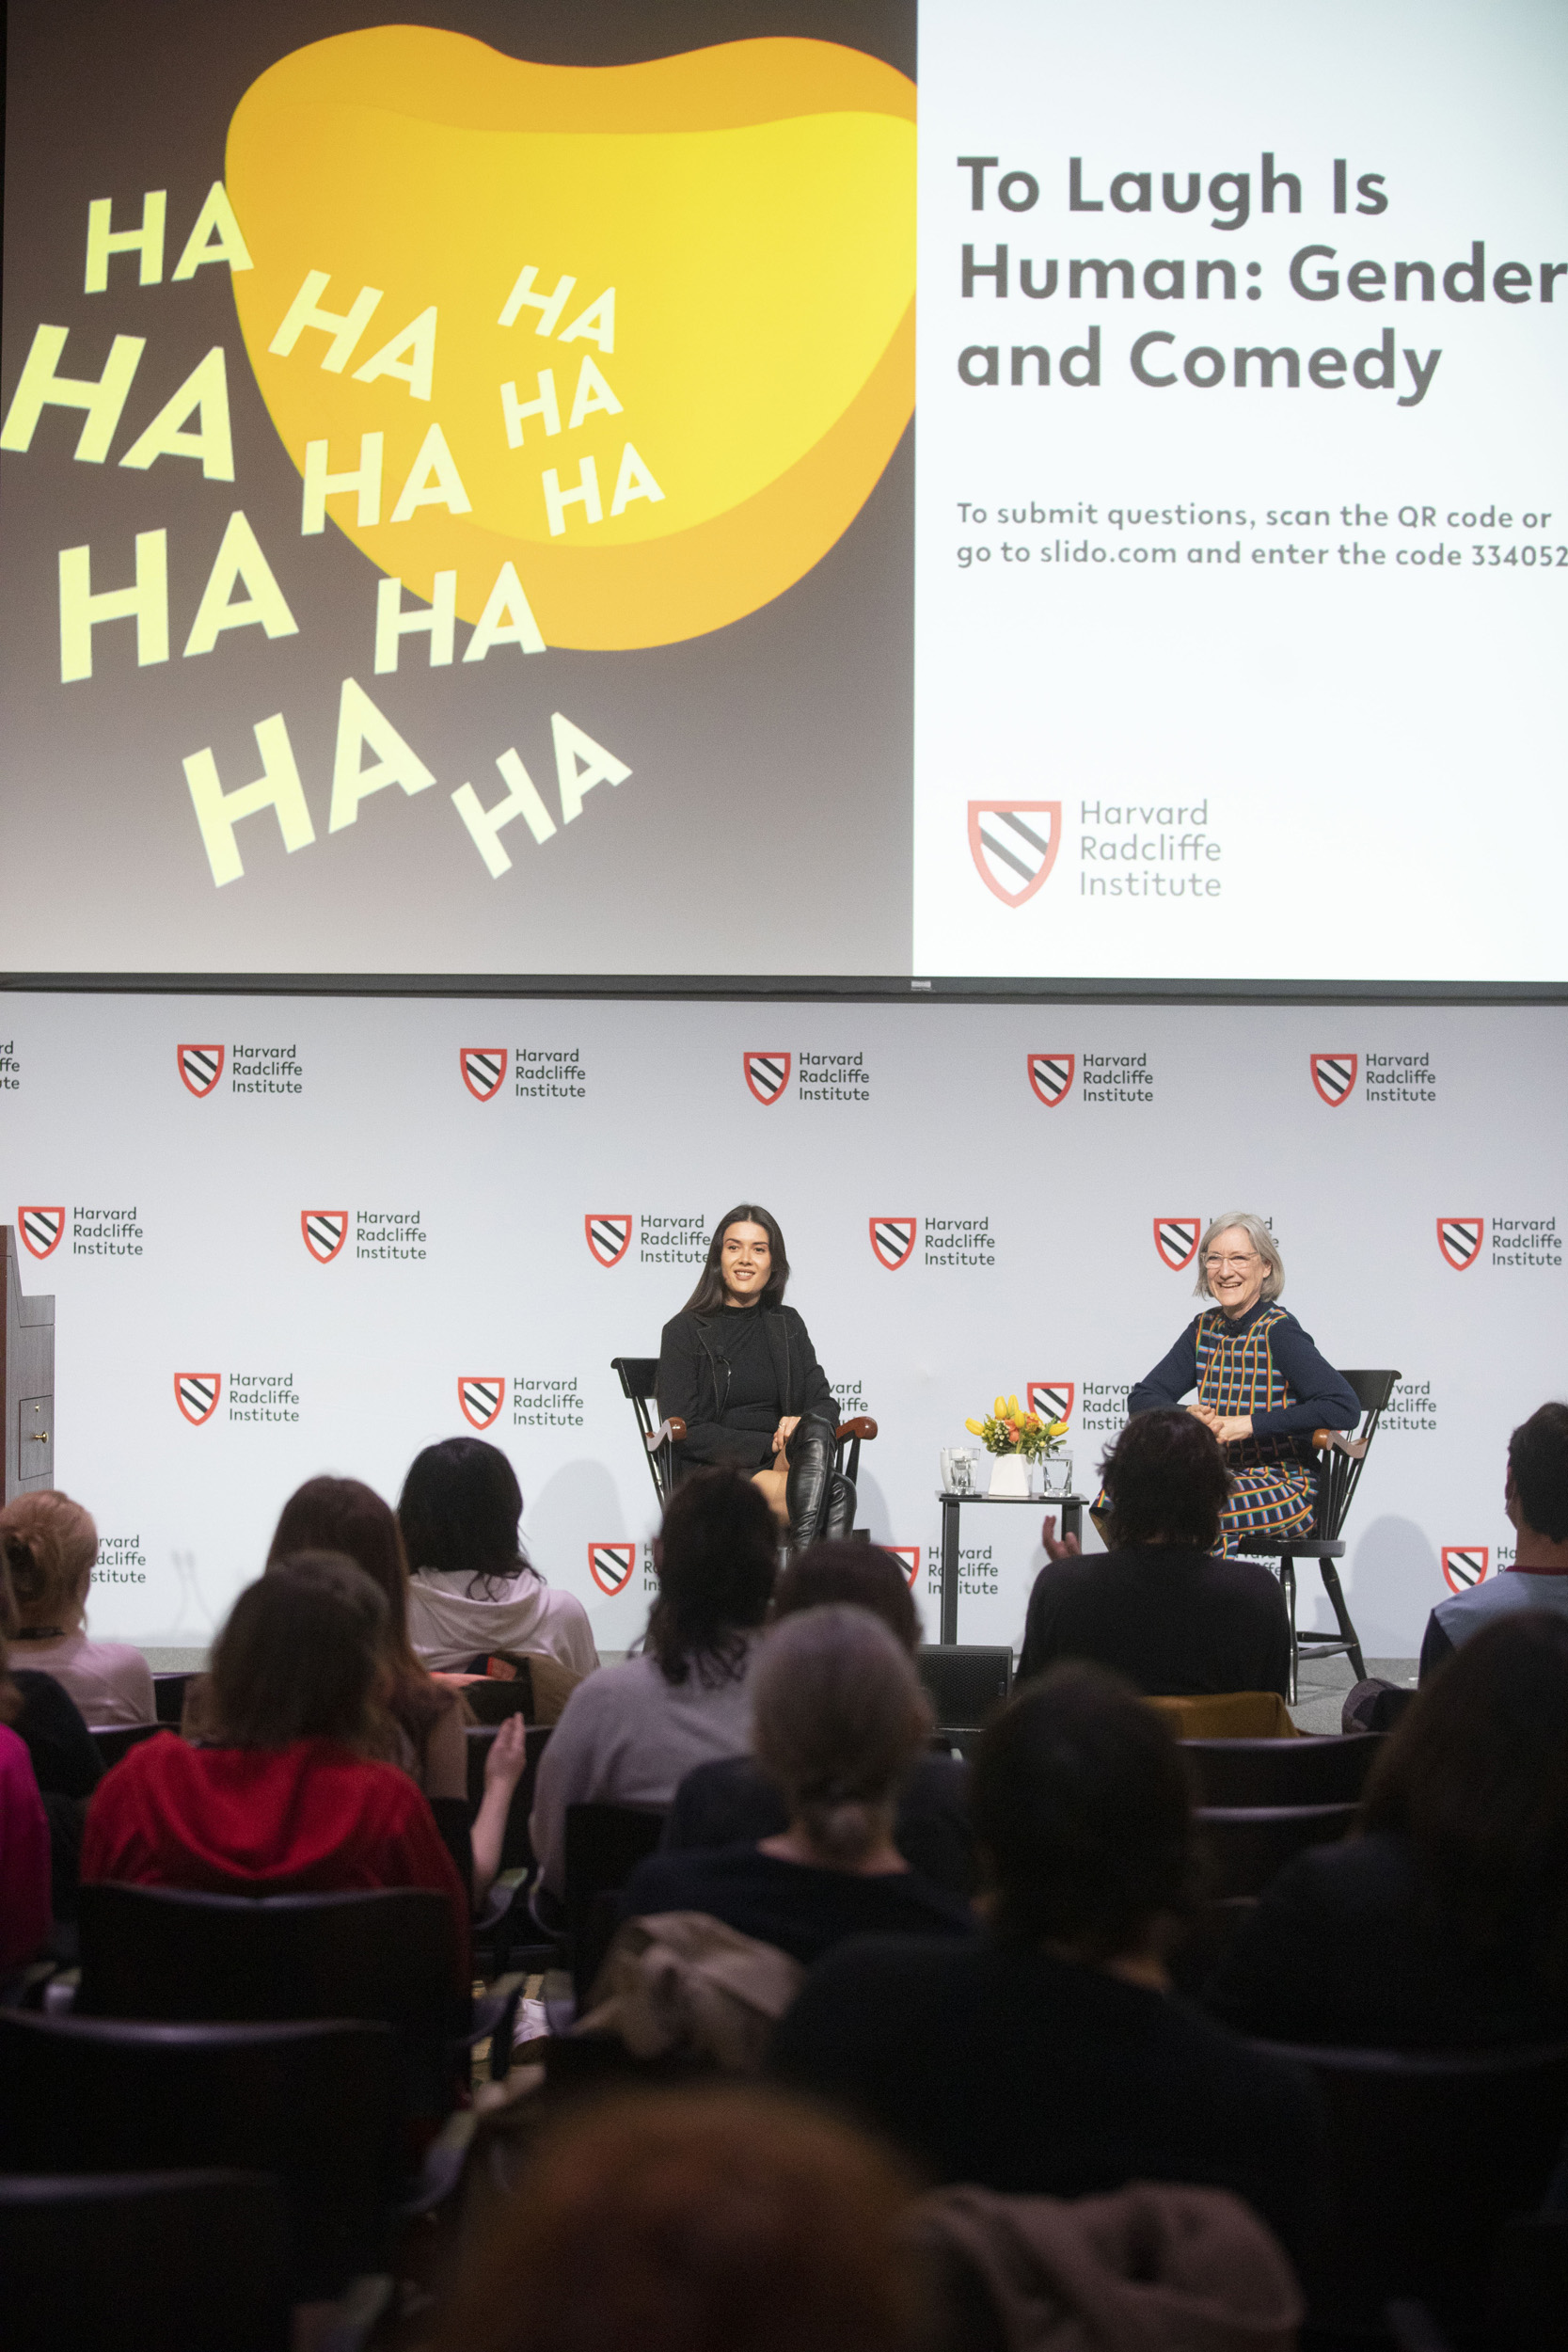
(324, 1232)
(479, 1397)
(1460, 1238)
(200, 1066)
(1013, 845)
(484, 1066)
(1051, 1399)
(1334, 1076)
(40, 1229)
(610, 1566)
(1465, 1565)
(1176, 1239)
(893, 1240)
(766, 1074)
(1050, 1076)
(197, 1394)
(609, 1237)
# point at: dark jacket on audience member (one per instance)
(1178, 1623)
(995, 2064)
(793, 1905)
(732, 1801)
(1346, 1950)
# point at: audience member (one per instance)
(715, 2219)
(1445, 1921)
(1535, 1495)
(1051, 2058)
(49, 1546)
(25, 1843)
(837, 1715)
(67, 1767)
(427, 1720)
(475, 1591)
(286, 1798)
(630, 1733)
(1162, 1607)
(733, 1801)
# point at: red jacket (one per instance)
(312, 1818)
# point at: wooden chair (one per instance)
(639, 1378)
(148, 2262)
(1303, 1770)
(1248, 1846)
(309, 2104)
(1341, 1460)
(1431, 2152)
(1227, 1715)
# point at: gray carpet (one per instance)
(1322, 1682)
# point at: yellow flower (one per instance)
(1014, 1407)
(1001, 1407)
(1058, 1429)
(977, 1428)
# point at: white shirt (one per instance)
(448, 1627)
(110, 1681)
(628, 1737)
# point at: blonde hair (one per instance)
(49, 1544)
(837, 1714)
(1244, 1221)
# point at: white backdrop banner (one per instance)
(289, 1235)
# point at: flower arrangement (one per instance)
(1009, 1429)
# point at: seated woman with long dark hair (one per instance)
(737, 1366)
(1444, 1921)
(287, 1797)
(474, 1589)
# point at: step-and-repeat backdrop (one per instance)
(289, 1235)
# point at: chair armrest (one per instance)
(861, 1426)
(1354, 1447)
(673, 1430)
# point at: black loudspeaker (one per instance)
(966, 1682)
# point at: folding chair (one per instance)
(1307, 1770)
(604, 1845)
(1249, 1845)
(1341, 1461)
(115, 1741)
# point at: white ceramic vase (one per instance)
(1009, 1475)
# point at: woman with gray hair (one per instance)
(1262, 1387)
(839, 1716)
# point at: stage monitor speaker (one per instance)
(26, 1382)
(966, 1682)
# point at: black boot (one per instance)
(818, 1502)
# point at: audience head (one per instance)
(837, 1716)
(728, 2219)
(343, 1515)
(712, 1290)
(1537, 1473)
(459, 1510)
(1476, 1776)
(1081, 1809)
(716, 1558)
(50, 1544)
(300, 1656)
(1166, 1482)
(860, 1576)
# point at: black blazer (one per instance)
(692, 1383)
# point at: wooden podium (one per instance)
(26, 1382)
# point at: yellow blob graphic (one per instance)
(706, 406)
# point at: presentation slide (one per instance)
(460, 509)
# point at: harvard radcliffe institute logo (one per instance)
(1334, 1076)
(1465, 1565)
(609, 1237)
(480, 1396)
(1460, 1238)
(324, 1232)
(893, 1240)
(200, 1066)
(909, 1554)
(766, 1074)
(1176, 1239)
(484, 1066)
(41, 1229)
(611, 1567)
(1013, 845)
(1051, 1399)
(197, 1394)
(1050, 1076)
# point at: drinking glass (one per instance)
(1058, 1474)
(957, 1470)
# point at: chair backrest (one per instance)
(517, 1847)
(384, 1953)
(312, 2103)
(1303, 1770)
(965, 1682)
(497, 1696)
(168, 1696)
(1228, 1715)
(1248, 1845)
(1341, 1473)
(1430, 2153)
(186, 2260)
(604, 1845)
(639, 1378)
(114, 1741)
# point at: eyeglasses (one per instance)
(1223, 1265)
